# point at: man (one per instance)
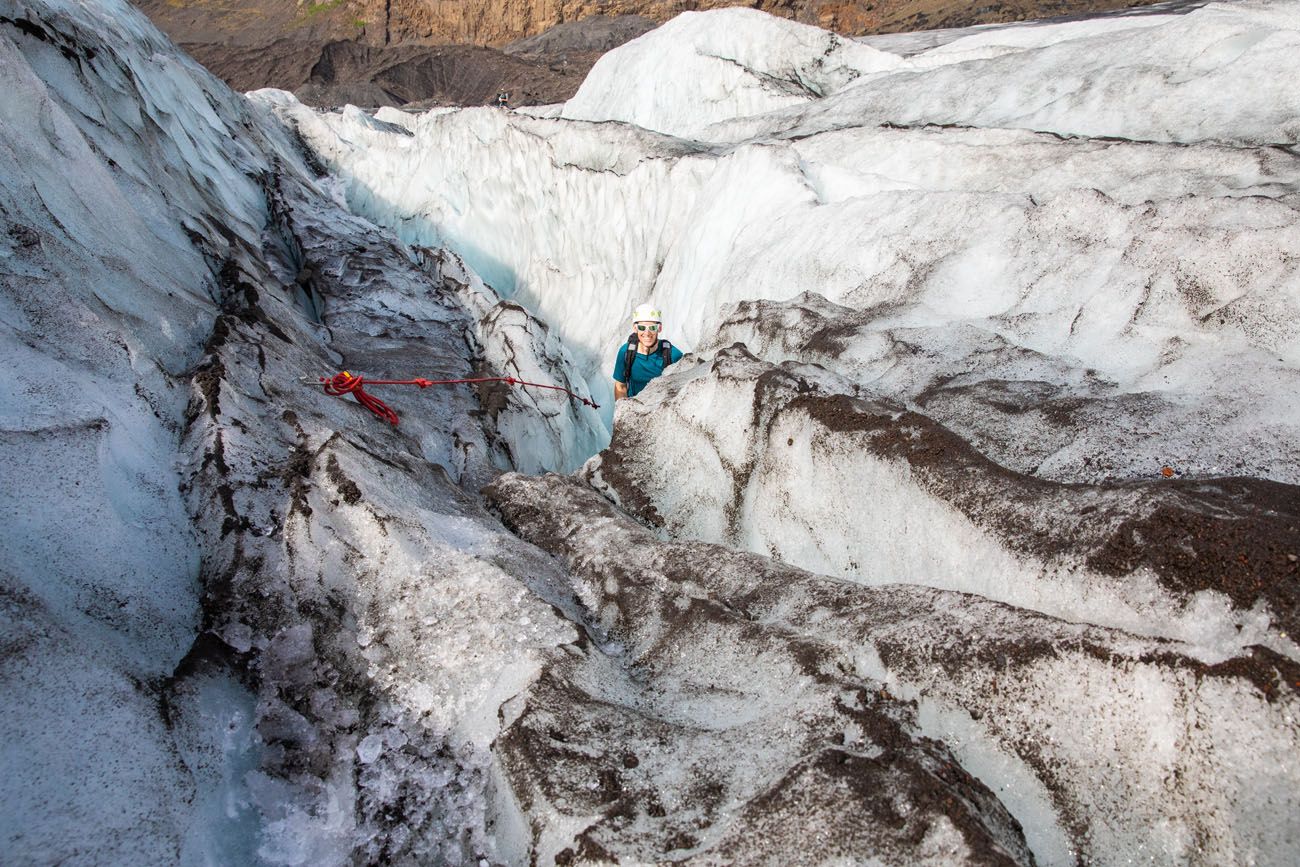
(645, 355)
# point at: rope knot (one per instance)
(345, 383)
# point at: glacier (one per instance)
(967, 532)
(925, 208)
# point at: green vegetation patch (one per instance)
(311, 10)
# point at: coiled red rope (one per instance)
(342, 384)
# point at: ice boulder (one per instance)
(703, 67)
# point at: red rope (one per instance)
(345, 383)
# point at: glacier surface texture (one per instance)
(967, 531)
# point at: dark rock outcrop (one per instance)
(548, 47)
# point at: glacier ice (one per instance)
(955, 302)
(726, 64)
(928, 508)
(1137, 748)
(172, 268)
(1165, 265)
(106, 304)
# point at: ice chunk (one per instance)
(370, 748)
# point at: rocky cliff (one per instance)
(483, 22)
(480, 22)
(281, 43)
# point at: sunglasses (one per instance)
(652, 327)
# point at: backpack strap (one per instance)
(665, 352)
(628, 357)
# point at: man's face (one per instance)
(647, 333)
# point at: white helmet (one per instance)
(647, 313)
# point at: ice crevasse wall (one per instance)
(1114, 193)
(102, 319)
(162, 249)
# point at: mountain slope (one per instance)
(277, 43)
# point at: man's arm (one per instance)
(620, 390)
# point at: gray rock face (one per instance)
(596, 34)
(352, 73)
(319, 52)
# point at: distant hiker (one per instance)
(503, 99)
(645, 355)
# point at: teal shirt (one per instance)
(644, 367)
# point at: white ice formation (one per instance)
(890, 568)
(1073, 727)
(739, 64)
(1165, 267)
(206, 621)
